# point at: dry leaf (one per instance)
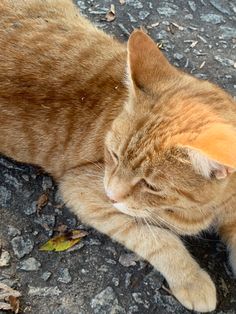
(160, 45)
(42, 201)
(177, 26)
(111, 14)
(193, 44)
(167, 290)
(202, 64)
(61, 229)
(153, 25)
(9, 299)
(63, 242)
(76, 234)
(122, 2)
(14, 303)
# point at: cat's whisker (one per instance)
(174, 231)
(139, 224)
(150, 228)
(200, 210)
(99, 165)
(95, 176)
(168, 224)
(121, 229)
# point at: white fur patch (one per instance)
(203, 165)
(122, 207)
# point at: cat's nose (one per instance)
(111, 196)
(113, 201)
(115, 196)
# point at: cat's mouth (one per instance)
(130, 211)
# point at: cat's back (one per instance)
(46, 44)
(57, 75)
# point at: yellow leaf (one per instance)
(63, 242)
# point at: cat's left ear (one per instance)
(147, 66)
(213, 151)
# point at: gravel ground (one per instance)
(100, 276)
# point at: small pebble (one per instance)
(192, 5)
(44, 292)
(22, 245)
(30, 264)
(143, 14)
(46, 275)
(212, 18)
(31, 209)
(64, 275)
(5, 196)
(12, 231)
(128, 259)
(115, 281)
(4, 258)
(47, 183)
(106, 302)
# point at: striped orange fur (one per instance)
(141, 150)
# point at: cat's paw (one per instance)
(198, 293)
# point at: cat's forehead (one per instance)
(140, 151)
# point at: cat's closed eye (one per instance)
(114, 156)
(149, 186)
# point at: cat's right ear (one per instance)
(147, 66)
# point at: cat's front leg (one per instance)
(83, 192)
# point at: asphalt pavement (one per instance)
(99, 276)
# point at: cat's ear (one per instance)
(213, 152)
(147, 66)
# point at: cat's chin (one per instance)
(122, 207)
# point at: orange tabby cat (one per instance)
(142, 159)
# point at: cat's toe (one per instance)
(198, 293)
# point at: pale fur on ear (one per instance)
(147, 65)
(206, 167)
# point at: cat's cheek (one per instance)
(105, 181)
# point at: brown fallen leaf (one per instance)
(61, 229)
(14, 303)
(9, 299)
(42, 201)
(111, 14)
(76, 235)
(63, 242)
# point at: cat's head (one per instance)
(170, 152)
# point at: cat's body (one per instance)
(50, 85)
(169, 139)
